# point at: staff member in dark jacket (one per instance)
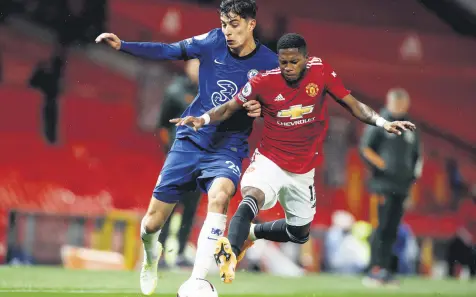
(395, 163)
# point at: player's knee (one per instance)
(256, 193)
(218, 201)
(150, 223)
(298, 234)
(156, 215)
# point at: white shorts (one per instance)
(296, 192)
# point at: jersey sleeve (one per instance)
(251, 90)
(198, 46)
(187, 49)
(333, 82)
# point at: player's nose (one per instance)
(227, 32)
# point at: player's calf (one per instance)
(151, 224)
(221, 190)
(280, 231)
(248, 209)
(298, 234)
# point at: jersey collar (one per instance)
(258, 44)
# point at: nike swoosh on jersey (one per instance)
(218, 62)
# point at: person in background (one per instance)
(395, 164)
(341, 227)
(178, 97)
(461, 251)
(347, 250)
(47, 78)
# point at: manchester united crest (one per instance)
(312, 89)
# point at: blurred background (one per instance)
(84, 133)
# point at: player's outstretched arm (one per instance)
(224, 111)
(148, 50)
(369, 116)
(215, 115)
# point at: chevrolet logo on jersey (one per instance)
(296, 112)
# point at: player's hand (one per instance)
(254, 108)
(396, 127)
(193, 122)
(111, 39)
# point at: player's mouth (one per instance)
(230, 42)
(290, 76)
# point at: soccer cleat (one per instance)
(148, 274)
(225, 259)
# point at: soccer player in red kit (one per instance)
(294, 108)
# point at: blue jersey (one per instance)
(222, 74)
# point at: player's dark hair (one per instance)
(292, 40)
(246, 9)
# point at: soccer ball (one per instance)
(197, 288)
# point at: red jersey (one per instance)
(295, 118)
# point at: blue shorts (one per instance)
(188, 166)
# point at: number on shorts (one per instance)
(313, 196)
(234, 168)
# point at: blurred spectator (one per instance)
(346, 249)
(460, 251)
(46, 77)
(178, 96)
(341, 224)
(395, 163)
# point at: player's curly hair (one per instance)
(244, 8)
(292, 40)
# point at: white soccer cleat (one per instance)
(148, 274)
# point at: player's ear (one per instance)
(251, 24)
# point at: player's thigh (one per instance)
(178, 176)
(264, 175)
(298, 199)
(219, 174)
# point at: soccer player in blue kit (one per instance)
(211, 158)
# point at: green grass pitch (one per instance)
(57, 282)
